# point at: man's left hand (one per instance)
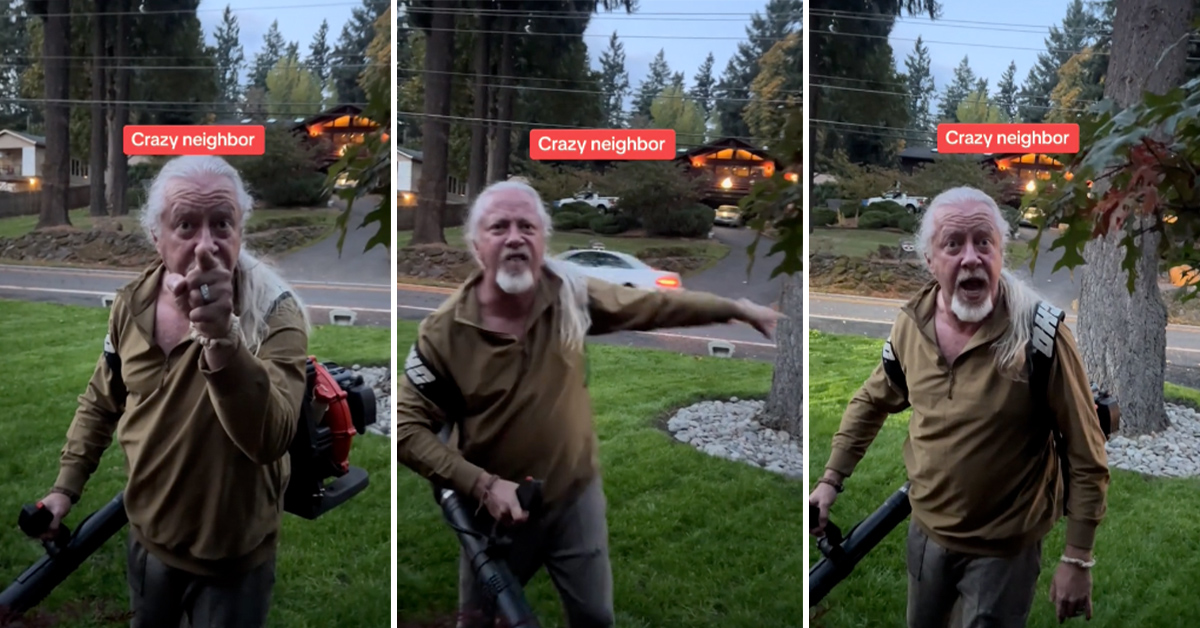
(761, 318)
(1071, 592)
(212, 317)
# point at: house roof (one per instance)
(37, 140)
(414, 155)
(723, 143)
(930, 153)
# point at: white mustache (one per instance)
(964, 275)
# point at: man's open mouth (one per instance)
(974, 284)
(516, 257)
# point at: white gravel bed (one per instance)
(728, 429)
(1174, 452)
(379, 378)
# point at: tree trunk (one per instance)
(435, 133)
(784, 409)
(477, 174)
(118, 163)
(97, 148)
(502, 144)
(56, 49)
(1122, 336)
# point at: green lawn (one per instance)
(1147, 551)
(334, 571)
(696, 541)
(16, 226)
(563, 241)
(862, 242)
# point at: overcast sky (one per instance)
(298, 20)
(990, 34)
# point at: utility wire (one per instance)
(933, 97)
(791, 15)
(868, 16)
(535, 125)
(522, 33)
(969, 44)
(237, 11)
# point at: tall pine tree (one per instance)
(921, 88)
(963, 85)
(1078, 29)
(614, 82)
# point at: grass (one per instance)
(863, 242)
(334, 571)
(1148, 548)
(695, 541)
(17, 226)
(565, 240)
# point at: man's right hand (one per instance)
(500, 499)
(822, 497)
(58, 505)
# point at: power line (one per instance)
(477, 121)
(868, 16)
(526, 33)
(968, 44)
(89, 101)
(239, 10)
(791, 15)
(714, 99)
(935, 96)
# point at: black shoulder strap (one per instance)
(117, 383)
(891, 367)
(435, 386)
(1042, 336)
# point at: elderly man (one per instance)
(985, 478)
(511, 343)
(202, 380)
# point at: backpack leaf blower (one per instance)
(337, 406)
(841, 554)
(487, 551)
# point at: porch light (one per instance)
(726, 183)
(1031, 186)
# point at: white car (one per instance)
(622, 268)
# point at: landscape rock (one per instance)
(113, 246)
(379, 378)
(880, 274)
(729, 430)
(435, 261)
(1174, 452)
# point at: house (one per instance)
(731, 167)
(341, 126)
(408, 180)
(1021, 169)
(22, 162)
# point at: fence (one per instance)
(30, 203)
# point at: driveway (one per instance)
(1058, 286)
(320, 262)
(728, 277)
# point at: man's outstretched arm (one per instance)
(619, 308)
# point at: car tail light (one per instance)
(667, 282)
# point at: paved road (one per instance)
(72, 286)
(320, 261)
(1061, 287)
(728, 277)
(873, 318)
(416, 302)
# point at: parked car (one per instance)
(914, 204)
(602, 203)
(621, 268)
(729, 216)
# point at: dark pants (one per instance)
(572, 543)
(164, 597)
(948, 588)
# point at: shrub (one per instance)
(607, 225)
(566, 221)
(909, 223)
(874, 219)
(689, 222)
(579, 207)
(648, 190)
(887, 207)
(288, 174)
(824, 217)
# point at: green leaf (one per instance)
(1129, 263)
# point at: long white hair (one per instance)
(258, 285)
(576, 319)
(1018, 296)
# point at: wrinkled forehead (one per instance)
(201, 194)
(969, 218)
(508, 207)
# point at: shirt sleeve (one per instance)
(870, 406)
(258, 397)
(616, 308)
(419, 419)
(100, 408)
(1070, 399)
